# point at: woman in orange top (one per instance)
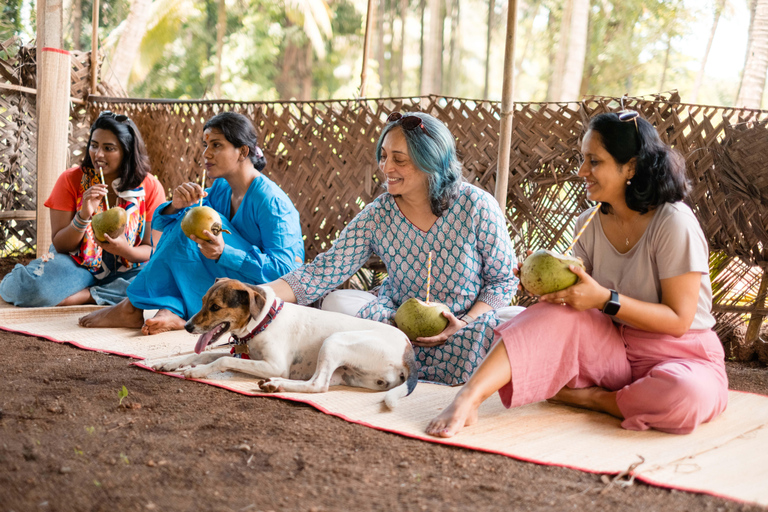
(80, 269)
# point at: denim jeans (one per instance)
(47, 283)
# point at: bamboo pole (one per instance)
(94, 45)
(53, 87)
(366, 48)
(507, 108)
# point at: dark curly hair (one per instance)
(659, 170)
(135, 165)
(239, 131)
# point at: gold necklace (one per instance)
(623, 232)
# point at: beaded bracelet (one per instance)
(79, 224)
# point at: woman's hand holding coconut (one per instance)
(585, 294)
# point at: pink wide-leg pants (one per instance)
(663, 382)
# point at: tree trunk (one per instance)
(128, 46)
(756, 66)
(423, 8)
(573, 69)
(431, 65)
(285, 83)
(306, 73)
(555, 86)
(454, 58)
(385, 86)
(77, 24)
(221, 27)
(665, 68)
(489, 34)
(719, 7)
(527, 37)
(401, 54)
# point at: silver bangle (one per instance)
(471, 318)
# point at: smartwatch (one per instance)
(612, 306)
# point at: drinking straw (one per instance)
(106, 200)
(589, 219)
(203, 183)
(429, 273)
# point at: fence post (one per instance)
(755, 320)
(53, 86)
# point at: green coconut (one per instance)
(418, 319)
(547, 272)
(111, 222)
(199, 219)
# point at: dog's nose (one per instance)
(188, 327)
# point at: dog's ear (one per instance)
(258, 300)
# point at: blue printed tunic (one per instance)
(473, 258)
(265, 243)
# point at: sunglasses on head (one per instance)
(408, 122)
(626, 116)
(117, 117)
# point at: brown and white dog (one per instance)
(295, 348)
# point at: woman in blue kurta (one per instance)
(426, 208)
(264, 240)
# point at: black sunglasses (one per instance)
(408, 122)
(626, 116)
(117, 117)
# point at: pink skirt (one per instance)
(663, 382)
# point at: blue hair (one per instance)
(433, 153)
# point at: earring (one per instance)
(629, 182)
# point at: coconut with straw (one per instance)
(111, 221)
(422, 319)
(547, 271)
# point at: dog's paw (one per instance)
(196, 372)
(165, 366)
(270, 386)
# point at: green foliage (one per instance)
(10, 19)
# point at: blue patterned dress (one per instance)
(473, 258)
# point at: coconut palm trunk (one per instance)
(756, 66)
(573, 70)
(719, 7)
(221, 27)
(128, 45)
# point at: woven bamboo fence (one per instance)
(322, 154)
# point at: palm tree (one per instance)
(578, 31)
(719, 7)
(221, 27)
(756, 65)
(131, 31)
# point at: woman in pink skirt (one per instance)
(633, 338)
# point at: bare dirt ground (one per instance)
(67, 443)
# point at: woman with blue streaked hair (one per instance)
(427, 208)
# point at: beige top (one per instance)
(673, 244)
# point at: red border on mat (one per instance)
(56, 50)
(429, 439)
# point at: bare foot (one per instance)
(163, 321)
(123, 314)
(76, 299)
(461, 413)
(594, 398)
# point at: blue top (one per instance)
(265, 243)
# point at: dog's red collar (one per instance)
(277, 305)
